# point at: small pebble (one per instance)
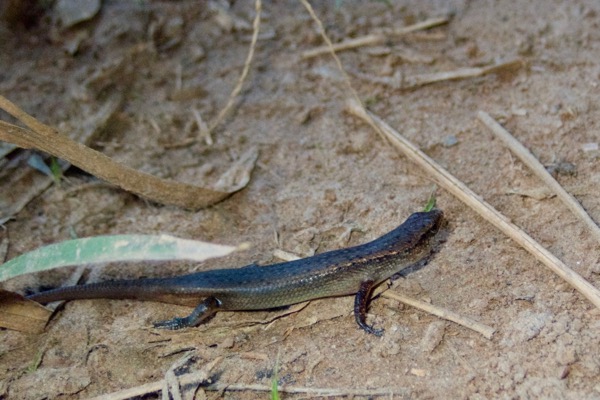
(433, 336)
(519, 112)
(588, 147)
(72, 12)
(449, 141)
(562, 168)
(228, 343)
(418, 372)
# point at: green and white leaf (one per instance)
(112, 248)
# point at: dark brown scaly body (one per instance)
(335, 273)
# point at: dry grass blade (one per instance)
(398, 81)
(461, 73)
(529, 159)
(236, 91)
(316, 392)
(164, 191)
(331, 49)
(374, 39)
(485, 210)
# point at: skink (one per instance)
(354, 270)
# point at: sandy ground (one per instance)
(323, 180)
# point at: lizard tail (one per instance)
(138, 289)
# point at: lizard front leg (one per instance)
(203, 311)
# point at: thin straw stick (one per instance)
(529, 159)
(192, 379)
(485, 330)
(485, 210)
(375, 38)
(238, 87)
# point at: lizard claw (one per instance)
(370, 329)
(171, 324)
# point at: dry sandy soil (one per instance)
(323, 180)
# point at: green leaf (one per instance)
(57, 172)
(274, 379)
(431, 202)
(114, 248)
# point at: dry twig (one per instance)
(192, 379)
(373, 39)
(201, 378)
(485, 330)
(317, 392)
(461, 73)
(398, 81)
(171, 381)
(529, 159)
(330, 48)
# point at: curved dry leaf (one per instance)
(164, 191)
(19, 314)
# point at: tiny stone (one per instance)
(566, 355)
(393, 349)
(298, 367)
(433, 336)
(562, 168)
(450, 141)
(197, 53)
(72, 12)
(227, 343)
(587, 147)
(519, 112)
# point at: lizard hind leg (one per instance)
(201, 313)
